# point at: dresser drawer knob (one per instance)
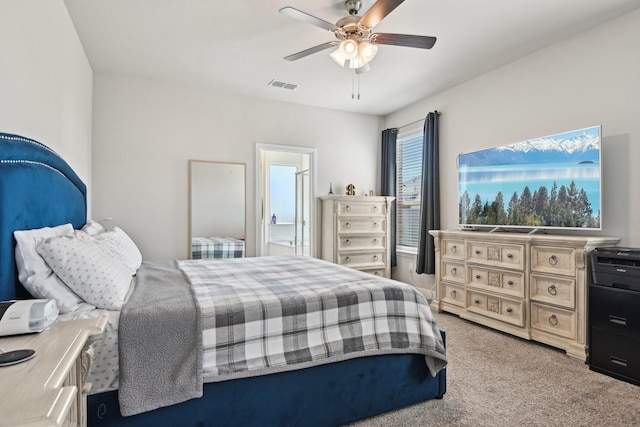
(347, 242)
(375, 209)
(477, 301)
(347, 225)
(375, 241)
(454, 271)
(454, 249)
(375, 257)
(477, 251)
(453, 294)
(553, 320)
(347, 260)
(509, 310)
(510, 256)
(510, 283)
(376, 273)
(478, 276)
(553, 260)
(375, 225)
(552, 290)
(347, 208)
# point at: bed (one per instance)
(39, 189)
(216, 247)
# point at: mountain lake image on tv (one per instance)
(548, 182)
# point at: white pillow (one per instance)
(92, 228)
(36, 276)
(116, 240)
(90, 270)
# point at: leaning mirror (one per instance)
(217, 209)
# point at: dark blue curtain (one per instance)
(430, 197)
(388, 184)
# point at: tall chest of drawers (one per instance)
(355, 232)
(532, 286)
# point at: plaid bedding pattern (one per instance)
(269, 314)
(216, 247)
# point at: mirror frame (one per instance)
(191, 190)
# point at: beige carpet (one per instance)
(494, 379)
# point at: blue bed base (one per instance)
(38, 189)
(329, 395)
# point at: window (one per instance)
(409, 185)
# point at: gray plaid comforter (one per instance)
(269, 314)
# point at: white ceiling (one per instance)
(238, 46)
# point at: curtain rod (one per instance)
(418, 121)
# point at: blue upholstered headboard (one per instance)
(37, 189)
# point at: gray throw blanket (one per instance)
(160, 339)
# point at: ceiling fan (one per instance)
(357, 43)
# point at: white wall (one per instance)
(46, 80)
(144, 133)
(592, 78)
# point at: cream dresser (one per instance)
(355, 232)
(49, 389)
(533, 286)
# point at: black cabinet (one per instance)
(614, 314)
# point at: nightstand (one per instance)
(50, 389)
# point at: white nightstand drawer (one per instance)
(453, 272)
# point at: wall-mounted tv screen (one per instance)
(547, 182)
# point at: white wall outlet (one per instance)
(410, 267)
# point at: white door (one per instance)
(285, 200)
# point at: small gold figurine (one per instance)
(351, 190)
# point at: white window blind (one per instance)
(409, 185)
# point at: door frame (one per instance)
(261, 170)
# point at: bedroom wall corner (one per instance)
(46, 80)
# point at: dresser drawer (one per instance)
(506, 310)
(496, 255)
(361, 225)
(453, 249)
(546, 259)
(554, 320)
(373, 259)
(452, 294)
(615, 310)
(361, 208)
(381, 272)
(504, 282)
(361, 242)
(553, 290)
(453, 271)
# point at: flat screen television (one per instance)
(551, 182)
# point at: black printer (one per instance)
(614, 313)
(616, 267)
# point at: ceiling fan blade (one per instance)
(311, 51)
(309, 19)
(422, 42)
(378, 11)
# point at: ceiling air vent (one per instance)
(283, 85)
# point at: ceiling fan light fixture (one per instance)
(367, 50)
(348, 48)
(337, 56)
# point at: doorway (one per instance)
(285, 200)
